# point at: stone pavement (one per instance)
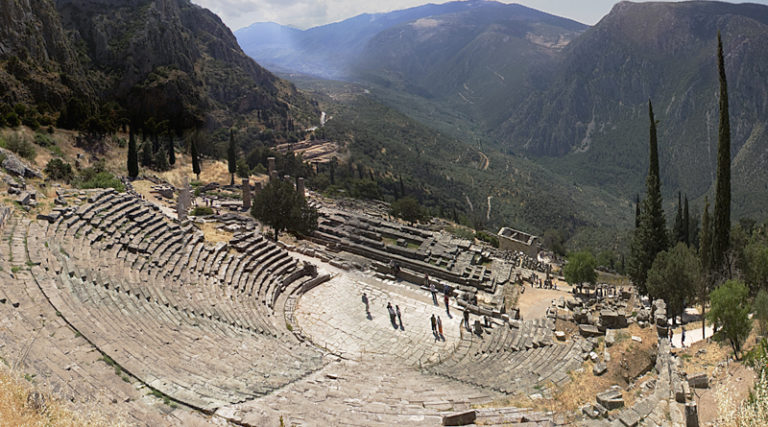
(334, 317)
(379, 392)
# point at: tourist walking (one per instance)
(447, 299)
(433, 290)
(399, 319)
(391, 315)
(440, 328)
(682, 338)
(434, 325)
(365, 301)
(466, 318)
(671, 334)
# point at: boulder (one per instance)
(17, 167)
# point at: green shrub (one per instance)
(488, 238)
(44, 140)
(20, 146)
(201, 211)
(101, 180)
(58, 170)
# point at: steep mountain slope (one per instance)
(479, 61)
(592, 118)
(167, 59)
(38, 64)
(328, 51)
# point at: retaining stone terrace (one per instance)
(513, 358)
(660, 403)
(196, 322)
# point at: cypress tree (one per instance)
(686, 223)
(722, 214)
(195, 160)
(147, 156)
(133, 156)
(650, 236)
(705, 242)
(637, 210)
(171, 152)
(232, 157)
(677, 228)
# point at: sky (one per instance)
(310, 13)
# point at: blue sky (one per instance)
(309, 13)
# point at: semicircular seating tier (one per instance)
(204, 324)
(518, 357)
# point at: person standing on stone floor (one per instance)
(447, 299)
(434, 325)
(440, 328)
(365, 301)
(682, 338)
(399, 318)
(391, 315)
(432, 289)
(466, 318)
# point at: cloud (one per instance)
(309, 13)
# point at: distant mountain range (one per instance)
(570, 97)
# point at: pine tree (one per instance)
(677, 228)
(232, 157)
(686, 223)
(650, 236)
(705, 241)
(133, 156)
(722, 214)
(195, 160)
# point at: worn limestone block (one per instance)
(460, 419)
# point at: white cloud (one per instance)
(309, 13)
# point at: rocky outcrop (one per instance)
(167, 59)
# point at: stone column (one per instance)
(184, 201)
(271, 167)
(246, 187)
(300, 186)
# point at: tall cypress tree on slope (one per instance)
(232, 157)
(677, 227)
(722, 214)
(133, 156)
(650, 236)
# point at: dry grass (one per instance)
(18, 408)
(213, 234)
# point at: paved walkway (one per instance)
(334, 317)
(691, 336)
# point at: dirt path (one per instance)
(485, 162)
(534, 302)
(739, 381)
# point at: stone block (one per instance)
(587, 330)
(599, 368)
(611, 398)
(630, 418)
(460, 419)
(610, 337)
(560, 335)
(699, 380)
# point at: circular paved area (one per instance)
(334, 317)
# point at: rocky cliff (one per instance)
(167, 59)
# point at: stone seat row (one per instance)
(39, 343)
(511, 359)
(175, 252)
